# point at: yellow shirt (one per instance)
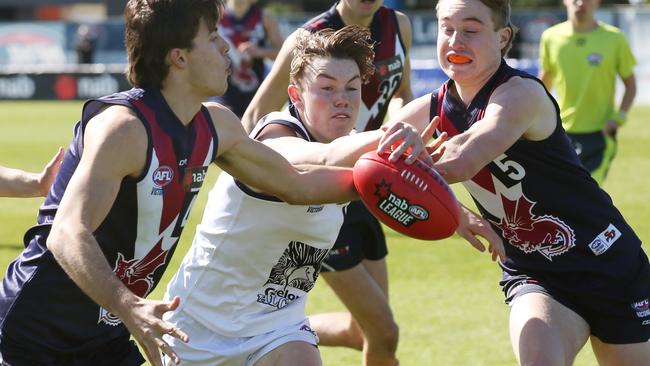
(583, 68)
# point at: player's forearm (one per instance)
(79, 255)
(320, 185)
(628, 98)
(19, 183)
(458, 164)
(346, 150)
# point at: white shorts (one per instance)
(209, 348)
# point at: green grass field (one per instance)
(444, 294)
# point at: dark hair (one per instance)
(154, 27)
(350, 42)
(500, 17)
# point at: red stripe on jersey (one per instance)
(163, 149)
(203, 140)
(483, 178)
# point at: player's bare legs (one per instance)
(292, 353)
(363, 289)
(337, 330)
(544, 332)
(636, 354)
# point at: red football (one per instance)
(411, 199)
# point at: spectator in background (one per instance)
(253, 35)
(85, 44)
(19, 183)
(356, 266)
(582, 57)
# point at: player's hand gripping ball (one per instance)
(411, 199)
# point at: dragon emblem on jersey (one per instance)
(297, 268)
(137, 275)
(546, 234)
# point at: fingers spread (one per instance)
(430, 129)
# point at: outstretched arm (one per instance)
(518, 109)
(262, 168)
(19, 183)
(345, 151)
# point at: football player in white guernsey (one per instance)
(360, 262)
(254, 258)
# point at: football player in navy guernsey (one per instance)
(112, 219)
(356, 267)
(19, 183)
(575, 270)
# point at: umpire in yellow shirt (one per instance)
(581, 58)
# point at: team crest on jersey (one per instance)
(594, 59)
(137, 275)
(547, 235)
(162, 176)
(298, 268)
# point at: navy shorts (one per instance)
(595, 151)
(361, 237)
(611, 318)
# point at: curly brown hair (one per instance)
(350, 42)
(154, 27)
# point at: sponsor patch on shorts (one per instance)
(642, 308)
(605, 240)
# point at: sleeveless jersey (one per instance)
(247, 74)
(553, 218)
(254, 258)
(389, 63)
(41, 308)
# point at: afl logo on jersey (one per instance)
(162, 176)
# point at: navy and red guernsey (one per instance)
(555, 221)
(41, 309)
(389, 63)
(247, 74)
